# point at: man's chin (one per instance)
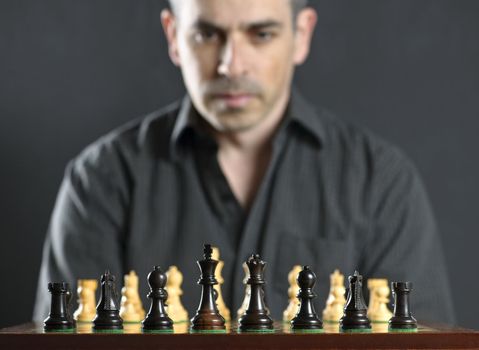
(237, 125)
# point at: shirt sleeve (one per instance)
(86, 225)
(404, 244)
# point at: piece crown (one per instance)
(256, 266)
(58, 287)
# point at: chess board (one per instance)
(32, 336)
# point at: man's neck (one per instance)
(244, 156)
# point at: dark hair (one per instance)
(296, 5)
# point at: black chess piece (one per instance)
(157, 318)
(256, 316)
(207, 317)
(306, 318)
(107, 312)
(59, 317)
(402, 317)
(355, 312)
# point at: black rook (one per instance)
(402, 318)
(59, 318)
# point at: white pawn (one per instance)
(247, 292)
(378, 300)
(131, 309)
(176, 310)
(336, 300)
(222, 308)
(86, 311)
(293, 290)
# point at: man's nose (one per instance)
(232, 62)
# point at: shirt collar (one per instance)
(299, 111)
(304, 114)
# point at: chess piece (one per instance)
(336, 301)
(59, 318)
(247, 292)
(107, 313)
(157, 318)
(306, 318)
(207, 317)
(176, 310)
(256, 316)
(220, 303)
(402, 318)
(86, 300)
(131, 309)
(355, 311)
(293, 290)
(378, 300)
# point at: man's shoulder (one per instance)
(145, 136)
(361, 144)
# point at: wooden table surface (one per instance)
(32, 336)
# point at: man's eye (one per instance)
(204, 36)
(263, 35)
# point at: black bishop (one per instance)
(306, 318)
(157, 318)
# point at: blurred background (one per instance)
(70, 71)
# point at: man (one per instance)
(244, 163)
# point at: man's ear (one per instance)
(305, 24)
(168, 20)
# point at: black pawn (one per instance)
(256, 316)
(355, 311)
(306, 317)
(402, 318)
(207, 317)
(59, 317)
(157, 318)
(107, 312)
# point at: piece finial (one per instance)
(208, 251)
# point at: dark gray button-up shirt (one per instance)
(334, 197)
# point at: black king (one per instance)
(207, 317)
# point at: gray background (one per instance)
(72, 70)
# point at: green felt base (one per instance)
(255, 330)
(158, 331)
(209, 331)
(311, 331)
(367, 330)
(66, 330)
(110, 331)
(402, 330)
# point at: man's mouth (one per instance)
(234, 100)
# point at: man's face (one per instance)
(237, 57)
